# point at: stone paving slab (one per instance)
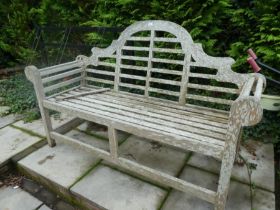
(90, 139)
(74, 168)
(115, 190)
(17, 199)
(262, 155)
(37, 126)
(14, 141)
(239, 194)
(100, 130)
(44, 207)
(153, 155)
(9, 119)
(62, 164)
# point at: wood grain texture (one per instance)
(205, 130)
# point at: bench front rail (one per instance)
(134, 87)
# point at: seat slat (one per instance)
(165, 119)
(142, 130)
(166, 110)
(185, 116)
(77, 88)
(196, 132)
(139, 120)
(219, 115)
(194, 118)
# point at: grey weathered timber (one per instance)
(163, 87)
(85, 93)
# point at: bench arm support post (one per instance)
(246, 110)
(33, 74)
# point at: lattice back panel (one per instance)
(159, 59)
(151, 64)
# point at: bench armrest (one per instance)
(52, 78)
(246, 110)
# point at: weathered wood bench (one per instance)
(161, 85)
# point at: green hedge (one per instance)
(225, 27)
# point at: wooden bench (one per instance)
(154, 82)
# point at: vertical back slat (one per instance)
(149, 62)
(184, 80)
(117, 69)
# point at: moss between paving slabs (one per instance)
(86, 173)
(232, 178)
(142, 178)
(66, 193)
(53, 187)
(29, 150)
(31, 133)
(132, 174)
(98, 162)
(188, 157)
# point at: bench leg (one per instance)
(227, 165)
(238, 160)
(225, 174)
(113, 141)
(47, 125)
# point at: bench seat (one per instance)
(186, 127)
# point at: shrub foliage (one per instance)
(225, 27)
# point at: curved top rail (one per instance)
(158, 25)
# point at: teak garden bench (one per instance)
(154, 82)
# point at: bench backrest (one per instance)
(160, 59)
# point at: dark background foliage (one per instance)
(224, 27)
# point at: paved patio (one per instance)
(87, 181)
